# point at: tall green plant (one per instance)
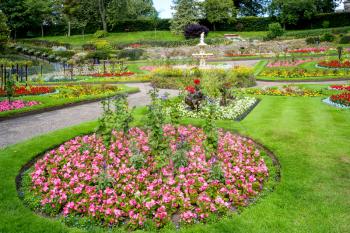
(116, 116)
(10, 86)
(210, 129)
(155, 122)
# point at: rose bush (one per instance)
(123, 184)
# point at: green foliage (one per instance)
(344, 40)
(325, 24)
(340, 52)
(10, 87)
(100, 34)
(211, 131)
(131, 54)
(313, 40)
(104, 180)
(179, 158)
(186, 13)
(114, 118)
(137, 159)
(4, 30)
(216, 172)
(275, 30)
(217, 11)
(99, 54)
(154, 123)
(328, 37)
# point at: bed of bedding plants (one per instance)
(287, 90)
(196, 102)
(162, 174)
(175, 78)
(340, 100)
(62, 96)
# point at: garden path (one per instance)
(19, 129)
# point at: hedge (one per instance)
(241, 24)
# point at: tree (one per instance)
(186, 13)
(102, 8)
(251, 7)
(39, 13)
(85, 14)
(70, 7)
(327, 6)
(4, 30)
(292, 11)
(15, 13)
(218, 11)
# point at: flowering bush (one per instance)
(105, 75)
(283, 91)
(341, 99)
(334, 64)
(234, 110)
(31, 90)
(340, 87)
(123, 184)
(16, 104)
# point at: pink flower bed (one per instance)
(287, 63)
(308, 50)
(69, 178)
(16, 104)
(148, 68)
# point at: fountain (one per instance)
(202, 55)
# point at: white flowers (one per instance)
(234, 111)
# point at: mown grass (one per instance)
(48, 101)
(125, 37)
(311, 140)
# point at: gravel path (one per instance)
(16, 130)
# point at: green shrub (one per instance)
(325, 24)
(100, 54)
(313, 40)
(100, 34)
(344, 40)
(328, 37)
(275, 30)
(131, 54)
(89, 47)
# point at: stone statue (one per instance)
(202, 38)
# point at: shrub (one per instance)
(275, 30)
(313, 40)
(195, 31)
(344, 40)
(325, 24)
(328, 37)
(131, 54)
(100, 54)
(100, 34)
(89, 47)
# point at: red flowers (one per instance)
(340, 87)
(308, 50)
(22, 90)
(343, 99)
(113, 75)
(191, 89)
(335, 64)
(135, 46)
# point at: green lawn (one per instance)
(311, 140)
(47, 101)
(79, 40)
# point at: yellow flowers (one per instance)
(71, 92)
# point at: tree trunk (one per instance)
(214, 27)
(42, 30)
(69, 28)
(102, 9)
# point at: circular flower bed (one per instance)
(123, 184)
(16, 104)
(334, 64)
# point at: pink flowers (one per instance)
(288, 63)
(16, 104)
(83, 177)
